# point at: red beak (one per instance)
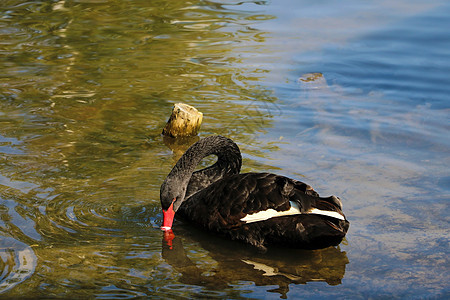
(168, 214)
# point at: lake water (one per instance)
(351, 97)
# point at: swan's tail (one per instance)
(329, 206)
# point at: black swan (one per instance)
(257, 208)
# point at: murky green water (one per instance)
(86, 87)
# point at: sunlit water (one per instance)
(350, 97)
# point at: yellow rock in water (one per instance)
(185, 120)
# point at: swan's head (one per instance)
(171, 195)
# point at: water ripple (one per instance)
(85, 217)
(17, 263)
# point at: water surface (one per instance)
(350, 97)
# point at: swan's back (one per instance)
(224, 207)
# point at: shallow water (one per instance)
(349, 97)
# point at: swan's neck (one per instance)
(228, 162)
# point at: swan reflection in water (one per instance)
(231, 262)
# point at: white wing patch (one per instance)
(294, 210)
(272, 213)
(328, 213)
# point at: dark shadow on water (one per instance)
(235, 262)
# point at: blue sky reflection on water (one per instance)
(378, 121)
